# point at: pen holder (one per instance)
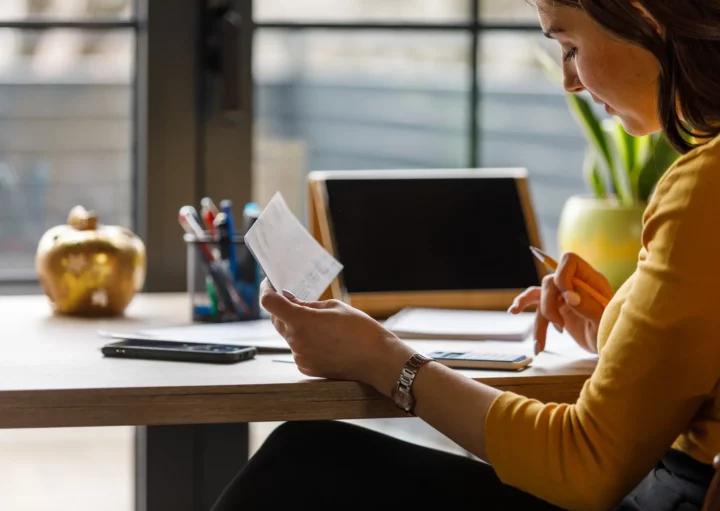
(219, 290)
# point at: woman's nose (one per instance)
(572, 83)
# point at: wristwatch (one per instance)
(402, 393)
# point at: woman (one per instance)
(647, 423)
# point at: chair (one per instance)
(712, 500)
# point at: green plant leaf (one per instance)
(624, 143)
(594, 175)
(619, 147)
(592, 128)
(661, 159)
(644, 147)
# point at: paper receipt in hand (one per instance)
(288, 254)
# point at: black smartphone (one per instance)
(179, 351)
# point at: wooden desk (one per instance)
(52, 374)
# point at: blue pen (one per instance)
(226, 207)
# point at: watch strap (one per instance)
(402, 393)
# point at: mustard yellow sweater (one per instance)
(656, 383)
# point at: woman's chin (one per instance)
(636, 128)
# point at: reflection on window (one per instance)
(338, 100)
(14, 10)
(65, 134)
(361, 10)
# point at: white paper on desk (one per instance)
(418, 323)
(288, 254)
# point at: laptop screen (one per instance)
(430, 234)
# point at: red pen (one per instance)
(209, 211)
(188, 221)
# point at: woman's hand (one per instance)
(332, 340)
(568, 308)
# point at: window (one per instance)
(525, 122)
(369, 84)
(508, 12)
(356, 11)
(357, 100)
(66, 119)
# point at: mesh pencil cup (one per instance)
(217, 294)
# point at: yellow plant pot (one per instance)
(603, 232)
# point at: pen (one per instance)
(189, 221)
(208, 212)
(225, 242)
(552, 265)
(221, 226)
(226, 207)
(208, 203)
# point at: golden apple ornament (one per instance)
(89, 269)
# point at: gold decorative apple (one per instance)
(89, 269)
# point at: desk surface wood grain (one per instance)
(52, 374)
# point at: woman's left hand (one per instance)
(333, 340)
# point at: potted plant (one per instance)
(621, 171)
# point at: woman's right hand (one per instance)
(565, 306)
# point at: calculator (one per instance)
(481, 360)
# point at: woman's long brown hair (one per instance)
(689, 56)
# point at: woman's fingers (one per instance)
(282, 304)
(279, 326)
(540, 331)
(571, 267)
(531, 296)
(550, 302)
(584, 306)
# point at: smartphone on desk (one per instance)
(481, 360)
(179, 351)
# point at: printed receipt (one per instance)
(288, 254)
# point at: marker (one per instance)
(226, 207)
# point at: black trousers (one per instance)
(335, 465)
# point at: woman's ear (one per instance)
(648, 17)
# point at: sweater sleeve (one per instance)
(658, 364)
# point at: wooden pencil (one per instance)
(552, 265)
